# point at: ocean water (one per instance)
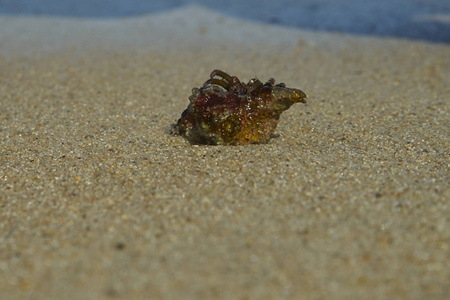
(410, 19)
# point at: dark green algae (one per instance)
(226, 112)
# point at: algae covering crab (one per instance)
(225, 111)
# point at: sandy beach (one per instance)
(349, 199)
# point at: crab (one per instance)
(225, 111)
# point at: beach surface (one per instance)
(348, 200)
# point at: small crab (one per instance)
(225, 111)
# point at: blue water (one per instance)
(427, 20)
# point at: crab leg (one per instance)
(270, 82)
(221, 74)
(253, 84)
(234, 83)
(222, 83)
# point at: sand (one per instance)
(349, 200)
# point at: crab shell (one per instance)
(220, 116)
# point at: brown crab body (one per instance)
(226, 112)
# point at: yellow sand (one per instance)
(350, 200)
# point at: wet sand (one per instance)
(350, 199)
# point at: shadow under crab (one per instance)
(225, 111)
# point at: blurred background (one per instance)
(427, 20)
